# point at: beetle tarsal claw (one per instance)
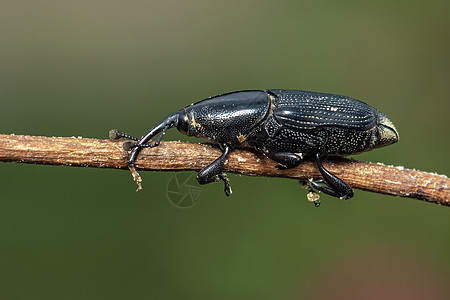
(226, 182)
(307, 184)
(136, 177)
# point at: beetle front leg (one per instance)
(336, 186)
(213, 172)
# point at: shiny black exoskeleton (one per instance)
(285, 125)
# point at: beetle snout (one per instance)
(388, 134)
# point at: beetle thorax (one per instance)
(226, 119)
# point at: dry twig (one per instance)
(181, 156)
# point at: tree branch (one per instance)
(180, 156)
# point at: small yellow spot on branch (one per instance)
(313, 197)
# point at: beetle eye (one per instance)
(183, 122)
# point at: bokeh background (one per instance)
(80, 68)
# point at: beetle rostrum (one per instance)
(284, 125)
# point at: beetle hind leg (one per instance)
(213, 172)
(334, 185)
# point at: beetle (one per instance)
(284, 125)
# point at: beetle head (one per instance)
(387, 133)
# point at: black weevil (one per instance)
(285, 125)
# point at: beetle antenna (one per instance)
(161, 128)
(127, 146)
(114, 134)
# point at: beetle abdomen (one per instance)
(309, 110)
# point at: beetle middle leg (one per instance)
(286, 160)
(213, 172)
(335, 186)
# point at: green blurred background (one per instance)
(80, 68)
